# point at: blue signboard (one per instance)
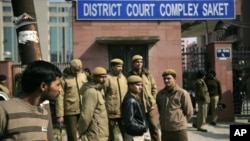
(155, 9)
(223, 52)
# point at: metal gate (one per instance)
(194, 59)
(241, 80)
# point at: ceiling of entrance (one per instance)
(196, 28)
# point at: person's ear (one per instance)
(43, 87)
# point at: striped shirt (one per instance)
(22, 121)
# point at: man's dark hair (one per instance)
(201, 73)
(212, 72)
(37, 72)
(87, 70)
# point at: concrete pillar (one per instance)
(220, 59)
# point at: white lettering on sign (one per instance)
(215, 9)
(25, 36)
(179, 9)
(140, 9)
(151, 9)
(102, 9)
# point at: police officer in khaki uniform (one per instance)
(93, 121)
(203, 99)
(147, 95)
(68, 103)
(115, 89)
(175, 108)
(214, 89)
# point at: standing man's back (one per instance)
(148, 96)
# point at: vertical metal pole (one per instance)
(26, 30)
(207, 39)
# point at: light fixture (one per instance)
(220, 29)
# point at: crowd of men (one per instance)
(92, 106)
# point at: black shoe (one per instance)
(202, 130)
(212, 123)
(194, 125)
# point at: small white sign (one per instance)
(25, 36)
(223, 53)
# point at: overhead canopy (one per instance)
(128, 39)
(195, 28)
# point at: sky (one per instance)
(193, 39)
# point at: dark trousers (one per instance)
(153, 129)
(180, 135)
(70, 122)
(112, 125)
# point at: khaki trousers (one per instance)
(153, 129)
(214, 100)
(180, 135)
(200, 121)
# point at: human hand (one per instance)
(60, 120)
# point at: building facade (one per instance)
(54, 26)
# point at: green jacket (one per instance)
(214, 87)
(93, 121)
(149, 90)
(115, 89)
(69, 101)
(201, 91)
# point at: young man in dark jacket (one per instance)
(133, 114)
(148, 94)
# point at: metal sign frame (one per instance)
(155, 9)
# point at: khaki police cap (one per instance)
(76, 64)
(116, 60)
(134, 79)
(99, 71)
(137, 57)
(169, 72)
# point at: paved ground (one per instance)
(220, 132)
